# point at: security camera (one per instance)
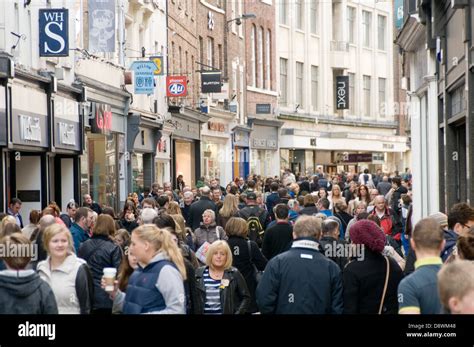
(471, 68)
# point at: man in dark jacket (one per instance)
(398, 190)
(253, 210)
(197, 208)
(87, 202)
(278, 237)
(331, 243)
(460, 219)
(301, 280)
(273, 199)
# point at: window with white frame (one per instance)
(351, 24)
(352, 96)
(382, 98)
(366, 23)
(284, 12)
(210, 51)
(268, 63)
(253, 63)
(381, 32)
(367, 111)
(314, 16)
(283, 81)
(314, 87)
(299, 10)
(299, 84)
(260, 58)
(234, 15)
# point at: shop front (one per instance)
(103, 173)
(28, 141)
(3, 139)
(216, 150)
(67, 146)
(241, 151)
(163, 158)
(143, 135)
(186, 144)
(336, 152)
(264, 159)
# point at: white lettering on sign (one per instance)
(30, 129)
(54, 36)
(341, 94)
(67, 134)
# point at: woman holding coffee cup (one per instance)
(101, 252)
(156, 286)
(68, 275)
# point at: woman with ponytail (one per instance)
(156, 286)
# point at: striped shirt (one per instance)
(213, 298)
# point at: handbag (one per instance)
(385, 285)
(257, 272)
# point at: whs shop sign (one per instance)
(176, 86)
(53, 33)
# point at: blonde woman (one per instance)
(68, 276)
(156, 286)
(222, 288)
(173, 208)
(228, 210)
(336, 196)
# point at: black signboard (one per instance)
(28, 195)
(211, 82)
(264, 108)
(342, 92)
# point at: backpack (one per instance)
(255, 228)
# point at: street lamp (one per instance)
(238, 20)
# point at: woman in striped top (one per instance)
(221, 287)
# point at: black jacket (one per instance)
(301, 281)
(364, 281)
(27, 294)
(235, 298)
(308, 210)
(330, 247)
(196, 210)
(129, 225)
(100, 252)
(245, 261)
(277, 239)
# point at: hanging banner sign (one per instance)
(101, 26)
(211, 82)
(144, 82)
(176, 86)
(342, 92)
(158, 60)
(53, 33)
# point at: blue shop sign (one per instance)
(53, 33)
(143, 81)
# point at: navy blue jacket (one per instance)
(301, 281)
(142, 295)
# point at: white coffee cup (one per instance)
(109, 277)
